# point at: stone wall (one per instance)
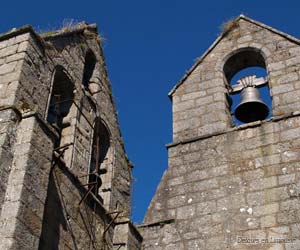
(66, 224)
(65, 50)
(7, 138)
(220, 188)
(127, 237)
(43, 201)
(199, 100)
(11, 61)
(23, 206)
(228, 184)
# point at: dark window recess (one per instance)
(61, 100)
(100, 147)
(89, 66)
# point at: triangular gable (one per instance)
(200, 59)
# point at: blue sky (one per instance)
(148, 46)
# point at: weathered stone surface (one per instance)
(227, 183)
(41, 188)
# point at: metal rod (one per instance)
(63, 146)
(58, 157)
(60, 102)
(97, 153)
(115, 212)
(102, 171)
(85, 175)
(94, 196)
(119, 245)
(109, 225)
(91, 183)
(71, 100)
(96, 199)
(86, 195)
(97, 161)
(91, 125)
(98, 91)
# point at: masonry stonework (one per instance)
(228, 184)
(65, 177)
(64, 174)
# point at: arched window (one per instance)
(61, 100)
(246, 79)
(100, 148)
(89, 66)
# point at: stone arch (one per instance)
(264, 52)
(242, 58)
(247, 60)
(102, 131)
(101, 158)
(60, 99)
(90, 62)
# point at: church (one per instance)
(232, 180)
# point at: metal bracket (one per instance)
(61, 153)
(86, 194)
(65, 147)
(256, 82)
(119, 245)
(112, 221)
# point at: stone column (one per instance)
(23, 207)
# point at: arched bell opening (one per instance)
(247, 83)
(61, 101)
(88, 71)
(99, 156)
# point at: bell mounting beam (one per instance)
(256, 82)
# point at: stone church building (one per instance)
(65, 177)
(234, 166)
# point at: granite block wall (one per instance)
(45, 170)
(231, 186)
(200, 106)
(221, 188)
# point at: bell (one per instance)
(251, 108)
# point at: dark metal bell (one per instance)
(251, 108)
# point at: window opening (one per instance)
(89, 66)
(249, 93)
(100, 147)
(61, 101)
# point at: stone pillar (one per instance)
(23, 207)
(126, 236)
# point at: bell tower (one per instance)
(233, 175)
(64, 173)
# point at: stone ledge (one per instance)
(157, 223)
(241, 127)
(17, 111)
(131, 226)
(22, 30)
(44, 124)
(16, 31)
(67, 31)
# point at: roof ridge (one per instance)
(71, 29)
(281, 33)
(218, 39)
